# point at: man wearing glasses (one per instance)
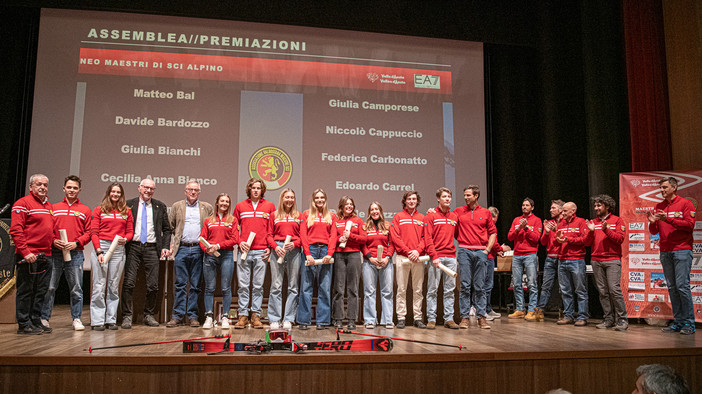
(32, 231)
(186, 219)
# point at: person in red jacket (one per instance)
(221, 233)
(288, 256)
(347, 261)
(377, 267)
(318, 234)
(74, 218)
(571, 234)
(253, 215)
(548, 239)
(32, 231)
(407, 236)
(674, 219)
(525, 232)
(112, 218)
(606, 236)
(439, 233)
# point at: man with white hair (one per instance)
(572, 236)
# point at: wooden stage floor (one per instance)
(514, 356)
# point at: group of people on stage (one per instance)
(318, 247)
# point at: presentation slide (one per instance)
(123, 97)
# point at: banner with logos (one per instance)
(643, 283)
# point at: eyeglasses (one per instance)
(192, 190)
(148, 188)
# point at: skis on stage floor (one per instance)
(363, 345)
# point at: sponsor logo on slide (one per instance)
(636, 276)
(697, 299)
(635, 182)
(656, 309)
(645, 261)
(656, 298)
(696, 248)
(373, 77)
(637, 297)
(695, 277)
(637, 286)
(637, 226)
(697, 235)
(696, 288)
(637, 247)
(698, 225)
(427, 81)
(272, 165)
(658, 281)
(636, 236)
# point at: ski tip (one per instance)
(460, 347)
(90, 349)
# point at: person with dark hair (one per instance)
(674, 220)
(572, 236)
(525, 232)
(32, 231)
(351, 236)
(659, 379)
(186, 218)
(253, 215)
(606, 235)
(151, 242)
(72, 217)
(221, 233)
(439, 234)
(550, 275)
(407, 236)
(377, 268)
(110, 219)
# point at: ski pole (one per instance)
(155, 343)
(460, 347)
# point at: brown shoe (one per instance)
(256, 321)
(465, 323)
(194, 323)
(431, 325)
(564, 321)
(482, 323)
(451, 324)
(580, 323)
(530, 316)
(517, 315)
(243, 322)
(174, 323)
(539, 314)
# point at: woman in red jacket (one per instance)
(221, 233)
(377, 267)
(347, 261)
(110, 219)
(318, 236)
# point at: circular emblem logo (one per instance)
(272, 165)
(656, 309)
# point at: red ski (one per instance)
(363, 345)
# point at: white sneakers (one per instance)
(45, 323)
(77, 325)
(492, 315)
(208, 323)
(472, 311)
(225, 323)
(275, 326)
(287, 325)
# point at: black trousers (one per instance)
(32, 283)
(140, 254)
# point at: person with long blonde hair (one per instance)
(377, 267)
(347, 261)
(318, 236)
(285, 222)
(220, 231)
(110, 219)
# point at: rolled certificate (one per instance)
(448, 270)
(281, 258)
(422, 259)
(112, 248)
(64, 238)
(207, 245)
(349, 224)
(380, 252)
(252, 235)
(320, 262)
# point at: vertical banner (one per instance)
(643, 283)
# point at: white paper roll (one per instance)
(422, 259)
(349, 224)
(320, 262)
(252, 235)
(206, 244)
(112, 248)
(64, 238)
(448, 270)
(281, 258)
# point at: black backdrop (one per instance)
(557, 117)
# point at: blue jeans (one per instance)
(371, 275)
(489, 284)
(225, 262)
(291, 263)
(323, 275)
(473, 267)
(74, 276)
(529, 264)
(103, 309)
(433, 279)
(550, 272)
(256, 267)
(571, 276)
(188, 270)
(676, 267)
